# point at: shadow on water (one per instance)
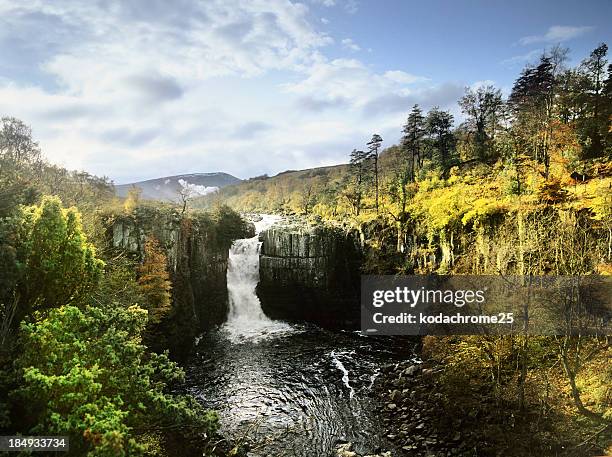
(295, 394)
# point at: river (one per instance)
(290, 389)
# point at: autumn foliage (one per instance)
(154, 280)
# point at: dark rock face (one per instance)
(197, 261)
(310, 275)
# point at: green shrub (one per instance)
(87, 374)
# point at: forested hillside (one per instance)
(522, 186)
(548, 142)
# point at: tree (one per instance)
(17, 148)
(230, 226)
(482, 108)
(359, 167)
(60, 265)
(373, 154)
(399, 190)
(87, 374)
(574, 354)
(307, 198)
(186, 192)
(412, 140)
(532, 100)
(596, 122)
(154, 280)
(20, 161)
(438, 126)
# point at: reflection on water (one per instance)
(305, 390)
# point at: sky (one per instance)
(138, 89)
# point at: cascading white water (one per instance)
(245, 319)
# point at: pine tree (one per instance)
(373, 154)
(532, 100)
(596, 122)
(438, 126)
(359, 170)
(412, 140)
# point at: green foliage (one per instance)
(483, 107)
(119, 283)
(60, 265)
(25, 175)
(87, 374)
(229, 225)
(19, 159)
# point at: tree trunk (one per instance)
(571, 376)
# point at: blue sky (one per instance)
(145, 88)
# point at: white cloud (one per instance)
(523, 58)
(350, 45)
(556, 34)
(343, 83)
(402, 77)
(143, 89)
(350, 6)
(484, 83)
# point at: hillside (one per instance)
(167, 188)
(292, 191)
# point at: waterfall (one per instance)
(246, 319)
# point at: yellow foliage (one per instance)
(132, 200)
(154, 280)
(484, 208)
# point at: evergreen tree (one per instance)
(60, 265)
(532, 100)
(87, 374)
(373, 154)
(412, 140)
(359, 170)
(596, 121)
(438, 126)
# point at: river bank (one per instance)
(425, 412)
(411, 408)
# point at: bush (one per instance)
(60, 265)
(86, 374)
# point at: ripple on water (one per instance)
(296, 392)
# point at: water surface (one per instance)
(291, 390)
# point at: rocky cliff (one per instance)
(197, 248)
(310, 274)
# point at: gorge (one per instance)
(288, 389)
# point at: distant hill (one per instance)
(168, 187)
(288, 191)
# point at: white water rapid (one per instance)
(246, 320)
